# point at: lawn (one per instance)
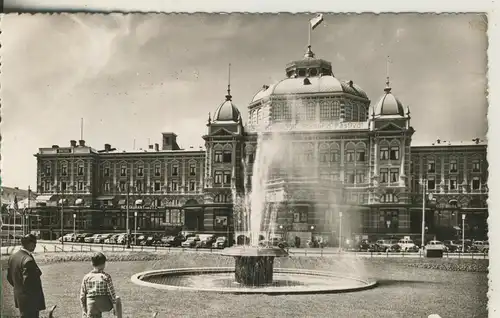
(403, 291)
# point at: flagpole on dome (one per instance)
(313, 23)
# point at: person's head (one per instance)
(99, 261)
(29, 242)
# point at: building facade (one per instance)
(315, 147)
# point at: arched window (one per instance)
(334, 152)
(349, 152)
(324, 150)
(394, 150)
(360, 152)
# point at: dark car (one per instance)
(80, 238)
(149, 241)
(452, 246)
(364, 245)
(205, 240)
(221, 242)
(172, 241)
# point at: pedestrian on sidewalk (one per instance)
(24, 275)
(97, 293)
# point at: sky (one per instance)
(134, 76)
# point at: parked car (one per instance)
(112, 239)
(68, 237)
(388, 246)
(220, 242)
(91, 239)
(452, 246)
(364, 245)
(102, 238)
(480, 246)
(80, 238)
(275, 241)
(205, 240)
(172, 241)
(190, 242)
(121, 239)
(435, 245)
(406, 244)
(150, 240)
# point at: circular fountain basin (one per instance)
(221, 280)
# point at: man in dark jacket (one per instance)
(24, 275)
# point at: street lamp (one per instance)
(340, 231)
(135, 225)
(74, 226)
(26, 222)
(424, 191)
(463, 233)
(128, 215)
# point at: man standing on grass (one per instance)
(24, 275)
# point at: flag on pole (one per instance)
(316, 21)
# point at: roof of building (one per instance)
(227, 111)
(389, 105)
(447, 143)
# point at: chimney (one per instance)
(438, 141)
(82, 143)
(107, 147)
(55, 146)
(72, 143)
(150, 146)
(157, 147)
(170, 141)
(351, 83)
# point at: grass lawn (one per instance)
(403, 291)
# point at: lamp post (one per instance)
(74, 226)
(424, 190)
(25, 227)
(463, 233)
(128, 216)
(340, 231)
(135, 226)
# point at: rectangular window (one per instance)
(323, 157)
(251, 158)
(227, 156)
(47, 186)
(157, 186)
(384, 153)
(431, 166)
(360, 177)
(384, 175)
(227, 177)
(47, 170)
(192, 185)
(476, 167)
(350, 178)
(80, 170)
(360, 155)
(453, 183)
(218, 177)
(175, 186)
(123, 186)
(63, 186)
(453, 166)
(106, 186)
(157, 170)
(139, 185)
(218, 156)
(140, 171)
(350, 156)
(175, 170)
(394, 175)
(106, 172)
(394, 155)
(475, 184)
(123, 171)
(334, 156)
(192, 169)
(80, 186)
(64, 170)
(431, 184)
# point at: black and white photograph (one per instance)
(314, 164)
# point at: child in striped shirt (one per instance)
(97, 293)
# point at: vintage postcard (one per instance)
(196, 165)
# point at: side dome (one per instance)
(389, 105)
(227, 111)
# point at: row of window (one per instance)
(453, 183)
(47, 186)
(389, 175)
(140, 186)
(431, 166)
(124, 170)
(222, 177)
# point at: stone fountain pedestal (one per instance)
(254, 265)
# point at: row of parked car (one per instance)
(408, 245)
(188, 240)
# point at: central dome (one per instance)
(309, 75)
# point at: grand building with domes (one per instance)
(329, 156)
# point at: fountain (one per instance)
(254, 271)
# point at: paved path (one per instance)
(51, 247)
